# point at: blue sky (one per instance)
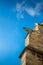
(14, 15)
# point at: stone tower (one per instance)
(33, 51)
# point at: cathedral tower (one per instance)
(33, 51)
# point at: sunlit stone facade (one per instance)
(27, 40)
(33, 51)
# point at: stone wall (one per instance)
(36, 40)
(23, 59)
(27, 40)
(33, 58)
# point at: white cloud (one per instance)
(30, 11)
(20, 8)
(34, 11)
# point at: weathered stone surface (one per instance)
(36, 38)
(33, 51)
(33, 58)
(27, 40)
(23, 62)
